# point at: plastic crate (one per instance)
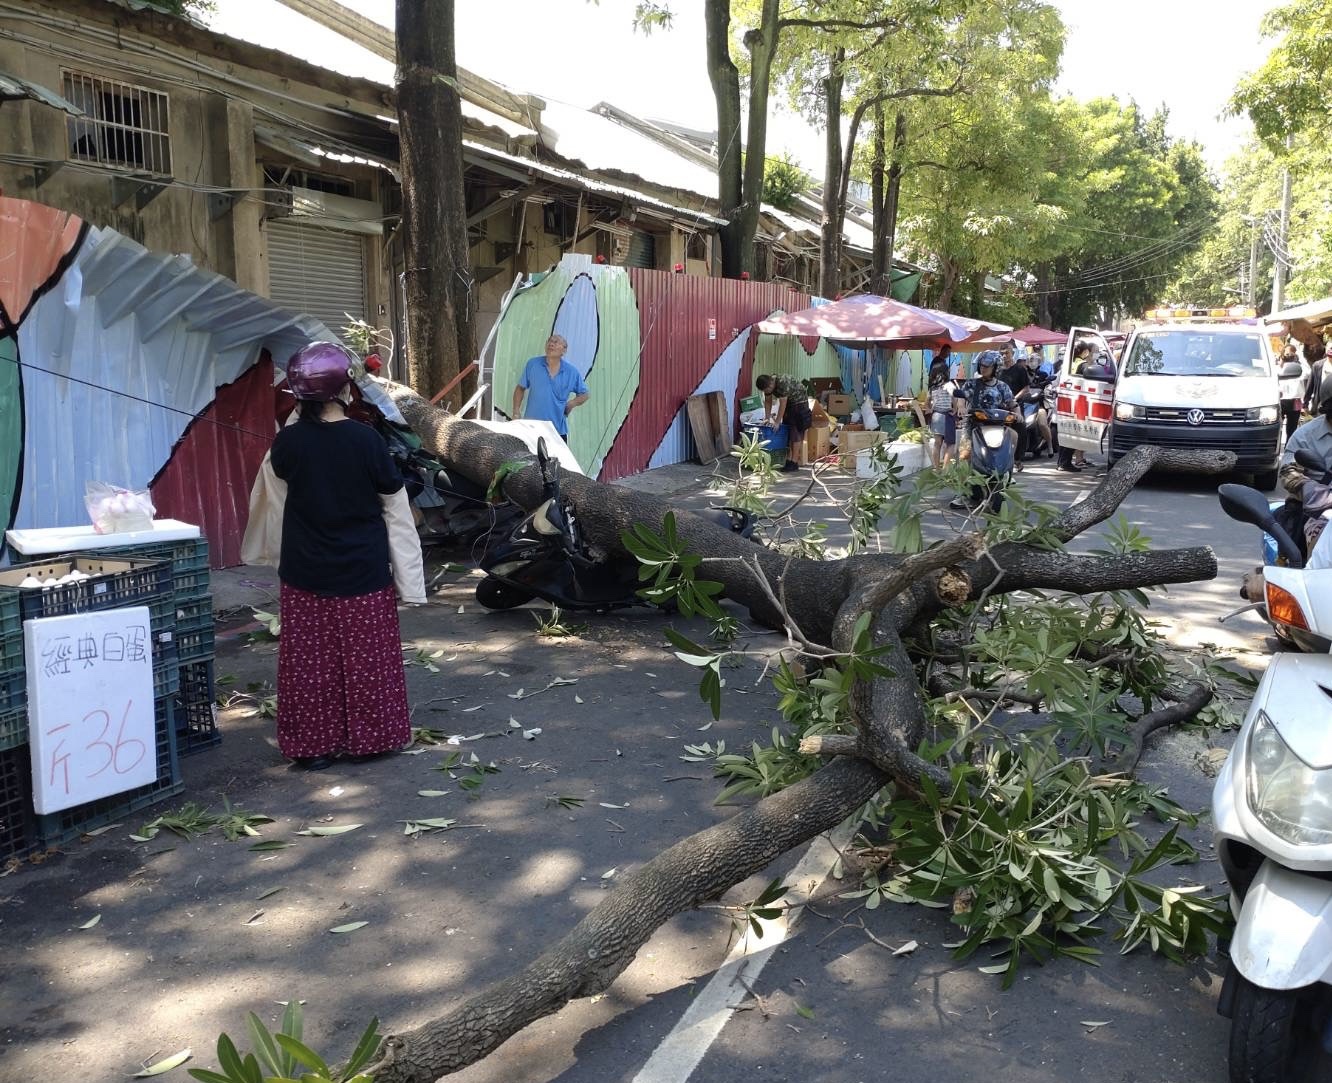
(189, 563)
(57, 828)
(13, 692)
(18, 834)
(195, 711)
(115, 584)
(166, 671)
(13, 728)
(194, 629)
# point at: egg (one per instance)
(29, 582)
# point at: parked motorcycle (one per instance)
(545, 556)
(1280, 589)
(1030, 402)
(1272, 811)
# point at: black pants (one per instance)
(1292, 416)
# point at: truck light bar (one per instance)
(1235, 312)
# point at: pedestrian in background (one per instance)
(549, 382)
(943, 421)
(1293, 388)
(346, 539)
(785, 402)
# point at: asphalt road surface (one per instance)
(191, 936)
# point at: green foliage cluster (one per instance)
(1032, 848)
(281, 1057)
(1289, 100)
(783, 181)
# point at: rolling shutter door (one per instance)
(642, 250)
(316, 272)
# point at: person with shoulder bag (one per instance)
(346, 542)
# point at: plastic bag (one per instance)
(114, 510)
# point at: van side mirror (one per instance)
(1291, 370)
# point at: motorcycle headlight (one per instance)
(1289, 798)
(1127, 411)
(1264, 415)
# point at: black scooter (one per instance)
(546, 557)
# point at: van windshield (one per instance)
(1196, 353)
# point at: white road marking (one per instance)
(680, 1052)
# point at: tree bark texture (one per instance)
(891, 200)
(880, 268)
(725, 80)
(830, 229)
(762, 45)
(827, 598)
(441, 304)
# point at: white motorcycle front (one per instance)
(1272, 817)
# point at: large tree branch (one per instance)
(1103, 501)
(586, 960)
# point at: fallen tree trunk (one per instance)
(827, 598)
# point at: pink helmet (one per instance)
(320, 370)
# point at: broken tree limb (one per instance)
(899, 593)
(1102, 501)
(587, 959)
(1194, 700)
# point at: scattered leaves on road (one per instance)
(331, 829)
(350, 927)
(164, 1065)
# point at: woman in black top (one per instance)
(341, 686)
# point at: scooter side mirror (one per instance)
(1247, 505)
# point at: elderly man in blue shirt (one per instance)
(548, 383)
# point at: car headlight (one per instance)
(1127, 411)
(1264, 415)
(1290, 798)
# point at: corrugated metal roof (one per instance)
(118, 359)
(484, 153)
(12, 88)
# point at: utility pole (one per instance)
(1252, 298)
(1279, 267)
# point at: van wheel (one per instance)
(493, 594)
(1265, 481)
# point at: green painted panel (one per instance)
(611, 323)
(11, 426)
(783, 355)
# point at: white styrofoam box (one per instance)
(39, 541)
(909, 455)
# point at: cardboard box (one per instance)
(818, 443)
(852, 442)
(840, 405)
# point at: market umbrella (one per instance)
(1028, 336)
(867, 319)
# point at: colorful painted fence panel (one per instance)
(132, 367)
(646, 341)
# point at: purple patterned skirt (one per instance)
(342, 688)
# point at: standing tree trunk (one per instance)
(725, 80)
(830, 229)
(948, 284)
(881, 263)
(441, 311)
(762, 45)
(891, 202)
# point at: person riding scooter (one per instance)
(987, 403)
(1035, 434)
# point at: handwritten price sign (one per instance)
(90, 706)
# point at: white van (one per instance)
(1186, 379)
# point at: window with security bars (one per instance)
(124, 125)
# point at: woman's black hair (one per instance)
(938, 373)
(311, 410)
